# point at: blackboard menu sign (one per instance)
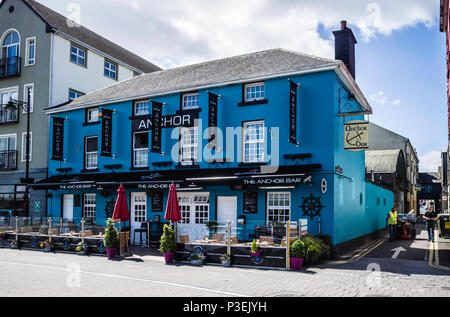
(250, 203)
(157, 202)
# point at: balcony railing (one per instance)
(8, 160)
(8, 115)
(10, 67)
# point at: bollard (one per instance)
(82, 229)
(319, 221)
(229, 238)
(299, 229)
(50, 230)
(288, 245)
(17, 228)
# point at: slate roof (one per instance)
(243, 68)
(57, 21)
(383, 161)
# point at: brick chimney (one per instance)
(345, 42)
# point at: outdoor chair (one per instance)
(234, 240)
(218, 237)
(268, 240)
(184, 238)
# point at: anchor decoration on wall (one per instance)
(311, 206)
(109, 209)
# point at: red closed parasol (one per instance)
(173, 212)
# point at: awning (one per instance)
(182, 177)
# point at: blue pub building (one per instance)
(256, 139)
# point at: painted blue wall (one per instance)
(320, 132)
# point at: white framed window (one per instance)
(91, 152)
(8, 157)
(140, 149)
(78, 55)
(73, 94)
(92, 115)
(8, 142)
(190, 101)
(11, 44)
(110, 69)
(188, 145)
(8, 115)
(89, 206)
(253, 145)
(278, 207)
(141, 108)
(28, 88)
(24, 146)
(194, 207)
(254, 92)
(30, 54)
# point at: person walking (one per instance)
(391, 221)
(431, 217)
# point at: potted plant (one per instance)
(47, 246)
(168, 245)
(255, 251)
(197, 258)
(111, 238)
(2, 236)
(14, 244)
(226, 260)
(298, 252)
(81, 248)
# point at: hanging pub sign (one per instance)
(212, 121)
(106, 132)
(293, 113)
(181, 119)
(58, 139)
(156, 126)
(356, 136)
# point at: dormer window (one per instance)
(92, 115)
(190, 101)
(254, 92)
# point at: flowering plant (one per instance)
(14, 244)
(46, 245)
(81, 247)
(225, 258)
(198, 257)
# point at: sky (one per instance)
(400, 55)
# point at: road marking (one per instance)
(398, 251)
(130, 278)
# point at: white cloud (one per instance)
(378, 98)
(179, 32)
(396, 102)
(430, 162)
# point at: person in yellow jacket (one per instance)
(392, 221)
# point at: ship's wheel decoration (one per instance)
(109, 210)
(312, 206)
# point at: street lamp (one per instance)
(26, 106)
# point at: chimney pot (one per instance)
(343, 25)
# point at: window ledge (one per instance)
(253, 103)
(90, 171)
(194, 166)
(91, 123)
(139, 168)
